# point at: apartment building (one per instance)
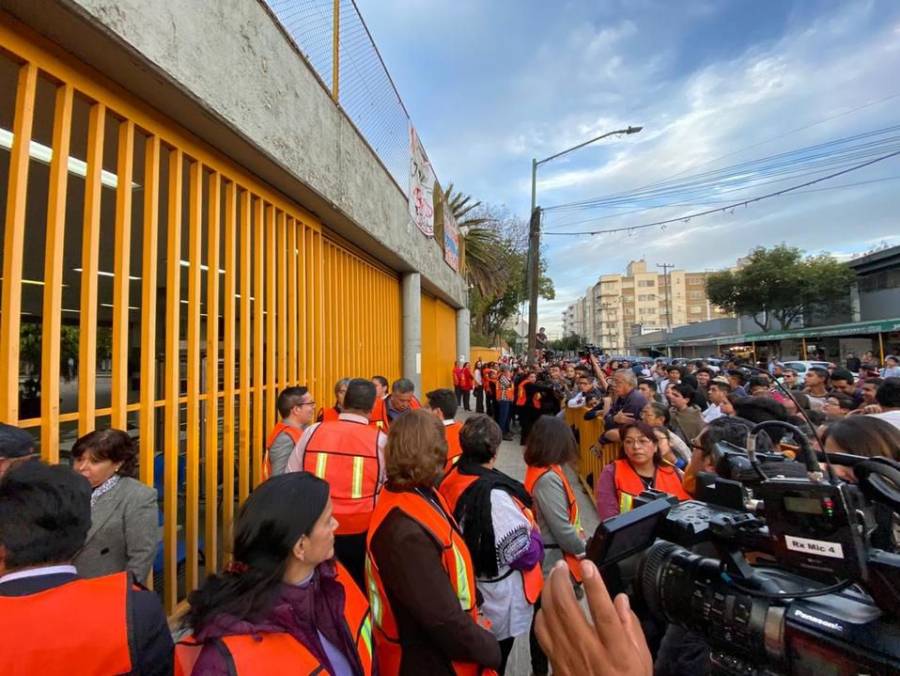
(619, 307)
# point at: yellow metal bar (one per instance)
(172, 444)
(803, 343)
(336, 50)
(292, 260)
(150, 245)
(271, 304)
(211, 455)
(14, 242)
(229, 325)
(122, 279)
(259, 386)
(195, 275)
(318, 336)
(305, 368)
(90, 260)
(282, 258)
(53, 273)
(245, 357)
(880, 347)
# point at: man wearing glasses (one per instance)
(296, 408)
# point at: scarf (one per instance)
(103, 488)
(473, 513)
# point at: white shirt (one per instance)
(37, 572)
(712, 412)
(892, 417)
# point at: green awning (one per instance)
(849, 329)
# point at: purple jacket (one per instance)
(303, 612)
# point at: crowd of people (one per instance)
(385, 540)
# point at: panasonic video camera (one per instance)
(782, 568)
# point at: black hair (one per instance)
(45, 514)
(661, 411)
(289, 398)
(760, 409)
(740, 375)
(684, 390)
(15, 442)
(705, 369)
(725, 428)
(818, 370)
(276, 515)
(550, 442)
(479, 438)
(403, 385)
(649, 382)
(360, 395)
(445, 400)
(844, 401)
(757, 381)
(842, 374)
(888, 393)
(110, 444)
(381, 380)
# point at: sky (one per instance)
(490, 84)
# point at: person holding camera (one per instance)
(640, 466)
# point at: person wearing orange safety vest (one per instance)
(551, 446)
(640, 466)
(348, 454)
(494, 513)
(296, 407)
(420, 578)
(378, 417)
(52, 621)
(284, 604)
(332, 413)
(489, 377)
(442, 404)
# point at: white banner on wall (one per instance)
(421, 185)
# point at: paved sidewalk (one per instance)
(509, 460)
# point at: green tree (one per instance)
(568, 343)
(779, 283)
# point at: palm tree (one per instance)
(482, 245)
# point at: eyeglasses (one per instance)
(642, 441)
(307, 403)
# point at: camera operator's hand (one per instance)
(614, 644)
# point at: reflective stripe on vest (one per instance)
(628, 484)
(455, 560)
(345, 454)
(84, 622)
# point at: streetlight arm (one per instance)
(629, 130)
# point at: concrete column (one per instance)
(462, 334)
(855, 314)
(411, 293)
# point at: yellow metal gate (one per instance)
(438, 343)
(151, 284)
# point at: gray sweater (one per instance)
(553, 517)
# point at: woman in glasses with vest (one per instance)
(494, 513)
(419, 571)
(551, 446)
(640, 466)
(284, 605)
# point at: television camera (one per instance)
(778, 565)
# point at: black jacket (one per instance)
(151, 644)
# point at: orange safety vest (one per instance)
(521, 398)
(345, 454)
(379, 417)
(272, 653)
(629, 484)
(454, 450)
(491, 377)
(456, 561)
(84, 622)
(329, 414)
(293, 432)
(453, 485)
(532, 474)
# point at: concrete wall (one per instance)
(225, 70)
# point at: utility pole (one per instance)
(533, 266)
(666, 267)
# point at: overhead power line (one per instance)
(733, 205)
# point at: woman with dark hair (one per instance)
(640, 466)
(124, 532)
(284, 604)
(333, 412)
(673, 448)
(551, 446)
(862, 435)
(687, 420)
(419, 570)
(494, 513)
(478, 383)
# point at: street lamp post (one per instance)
(534, 236)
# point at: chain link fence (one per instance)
(359, 81)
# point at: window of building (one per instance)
(647, 296)
(646, 283)
(696, 295)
